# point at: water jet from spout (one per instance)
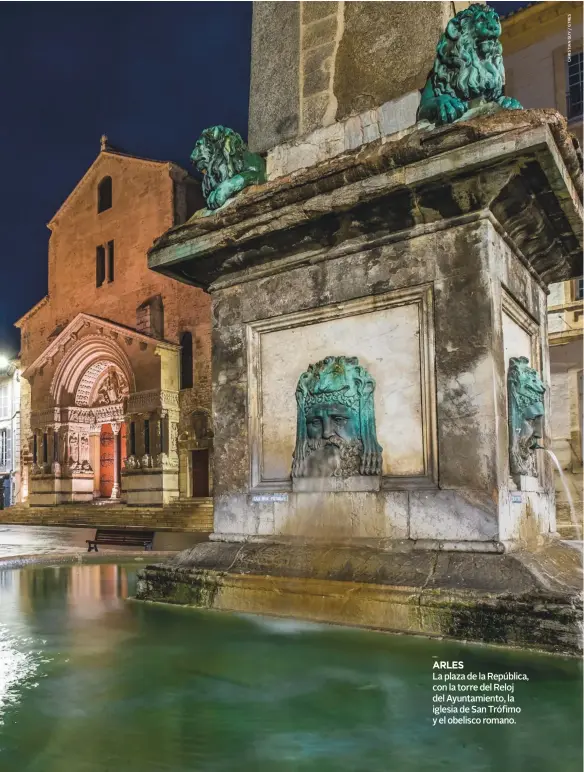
(577, 525)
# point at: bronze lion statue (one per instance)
(226, 164)
(468, 67)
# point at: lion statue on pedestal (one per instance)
(468, 68)
(226, 164)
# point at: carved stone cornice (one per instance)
(77, 415)
(519, 167)
(152, 400)
(71, 334)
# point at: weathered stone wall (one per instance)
(462, 266)
(275, 77)
(316, 63)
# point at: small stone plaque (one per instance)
(263, 497)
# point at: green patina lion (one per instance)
(526, 412)
(468, 67)
(226, 164)
(335, 429)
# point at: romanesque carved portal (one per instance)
(526, 412)
(335, 431)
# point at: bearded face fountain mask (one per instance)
(335, 429)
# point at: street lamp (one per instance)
(4, 361)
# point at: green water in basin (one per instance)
(91, 682)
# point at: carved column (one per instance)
(95, 461)
(50, 446)
(116, 486)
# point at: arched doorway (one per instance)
(112, 454)
(95, 378)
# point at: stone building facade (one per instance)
(117, 358)
(10, 480)
(546, 38)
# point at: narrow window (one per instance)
(3, 447)
(4, 401)
(110, 261)
(45, 448)
(99, 266)
(579, 289)
(186, 361)
(575, 84)
(147, 436)
(104, 194)
(132, 438)
(55, 446)
(35, 449)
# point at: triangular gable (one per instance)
(116, 153)
(82, 320)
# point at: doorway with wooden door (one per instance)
(200, 473)
(107, 455)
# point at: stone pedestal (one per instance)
(427, 257)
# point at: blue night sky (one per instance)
(149, 75)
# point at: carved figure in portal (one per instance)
(112, 390)
(335, 429)
(73, 451)
(468, 66)
(226, 164)
(526, 412)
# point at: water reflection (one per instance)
(36, 602)
(94, 683)
(18, 664)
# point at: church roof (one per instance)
(108, 149)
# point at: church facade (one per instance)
(117, 358)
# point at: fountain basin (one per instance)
(95, 681)
(530, 600)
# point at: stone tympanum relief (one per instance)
(226, 164)
(335, 430)
(526, 412)
(112, 389)
(468, 68)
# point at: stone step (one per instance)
(198, 516)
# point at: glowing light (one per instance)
(4, 361)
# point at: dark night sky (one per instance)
(149, 75)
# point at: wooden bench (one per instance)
(121, 537)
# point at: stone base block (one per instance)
(526, 600)
(150, 488)
(47, 490)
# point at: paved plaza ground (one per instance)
(18, 541)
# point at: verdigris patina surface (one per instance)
(526, 411)
(468, 67)
(335, 430)
(226, 164)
